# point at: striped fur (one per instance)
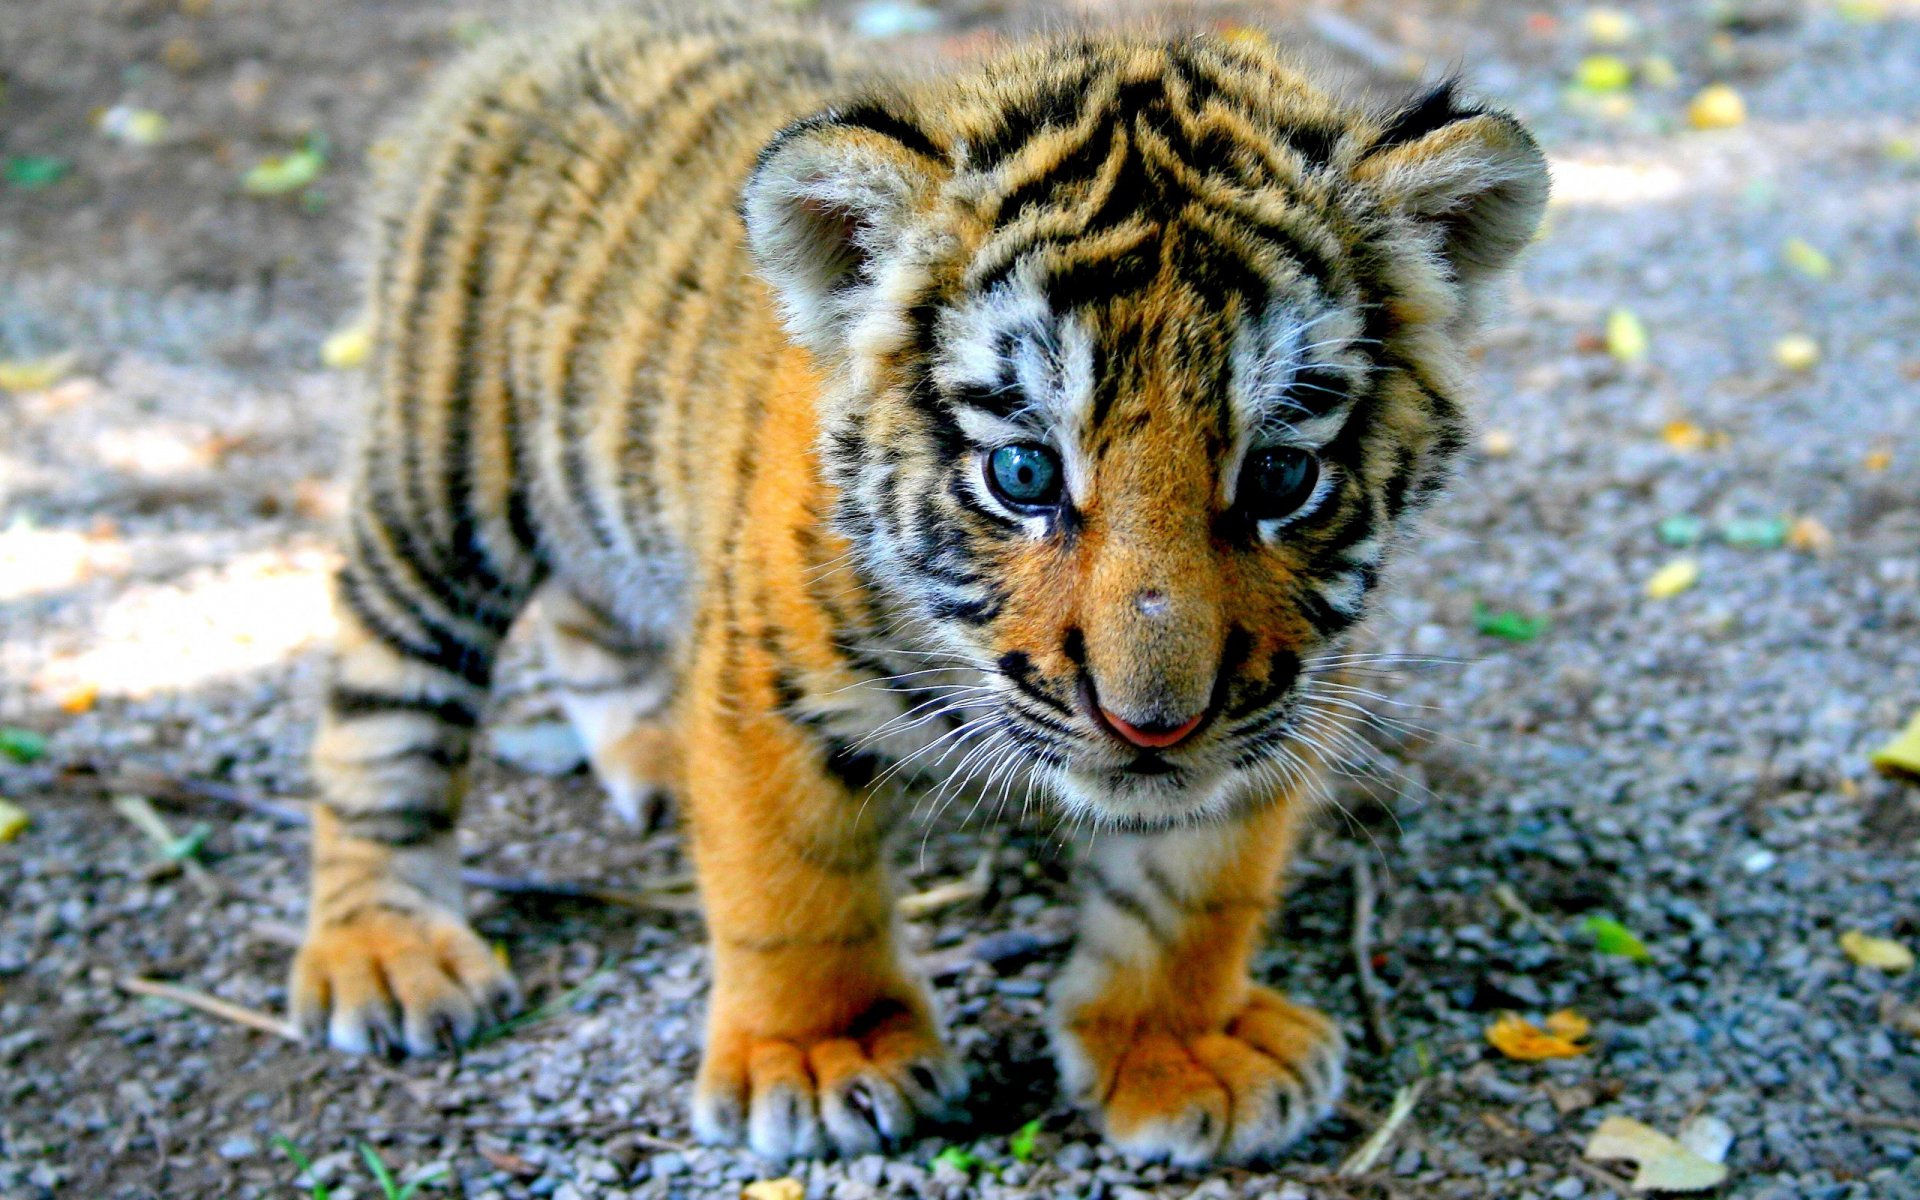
(703, 336)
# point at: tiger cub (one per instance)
(853, 435)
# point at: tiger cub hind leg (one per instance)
(615, 687)
(1158, 1030)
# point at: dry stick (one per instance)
(209, 1004)
(624, 1124)
(1884, 1121)
(1375, 1147)
(1364, 898)
(955, 891)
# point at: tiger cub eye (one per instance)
(1025, 475)
(1276, 481)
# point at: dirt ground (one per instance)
(1695, 767)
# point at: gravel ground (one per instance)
(1695, 767)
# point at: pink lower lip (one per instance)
(1151, 741)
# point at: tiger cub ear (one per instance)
(1472, 173)
(831, 199)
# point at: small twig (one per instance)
(1511, 901)
(1375, 1147)
(672, 896)
(139, 810)
(1884, 1121)
(212, 1005)
(1602, 1176)
(955, 891)
(1365, 896)
(625, 1125)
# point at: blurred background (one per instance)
(1641, 761)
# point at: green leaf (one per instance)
(189, 844)
(964, 1161)
(22, 745)
(318, 1190)
(30, 172)
(1020, 1145)
(1507, 625)
(389, 1187)
(1681, 531)
(284, 173)
(1754, 533)
(1611, 937)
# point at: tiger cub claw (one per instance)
(393, 983)
(1240, 1094)
(800, 1098)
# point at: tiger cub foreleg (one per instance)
(1157, 1027)
(615, 686)
(389, 961)
(819, 1039)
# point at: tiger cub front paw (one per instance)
(847, 1092)
(1238, 1093)
(386, 980)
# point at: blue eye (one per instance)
(1025, 475)
(1276, 481)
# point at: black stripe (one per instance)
(1128, 903)
(346, 701)
(873, 116)
(1435, 109)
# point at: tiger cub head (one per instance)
(1141, 352)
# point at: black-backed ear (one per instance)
(829, 200)
(1474, 173)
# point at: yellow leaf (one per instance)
(774, 1189)
(1876, 460)
(34, 374)
(347, 347)
(1806, 258)
(1796, 352)
(1885, 953)
(1717, 107)
(13, 821)
(1684, 436)
(1902, 754)
(1497, 443)
(1664, 1165)
(1608, 27)
(1626, 336)
(1809, 536)
(1676, 577)
(1602, 73)
(80, 699)
(1521, 1039)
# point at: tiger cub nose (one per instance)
(1156, 735)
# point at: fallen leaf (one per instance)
(81, 699)
(1869, 951)
(284, 173)
(348, 346)
(31, 172)
(1901, 756)
(1506, 624)
(1684, 436)
(962, 1160)
(133, 126)
(1877, 460)
(1626, 336)
(1602, 73)
(1611, 937)
(1608, 27)
(1754, 533)
(1676, 577)
(1796, 352)
(1681, 531)
(1806, 258)
(774, 1189)
(1717, 107)
(1809, 536)
(1497, 443)
(1862, 12)
(1662, 1164)
(1518, 1038)
(22, 745)
(35, 374)
(13, 821)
